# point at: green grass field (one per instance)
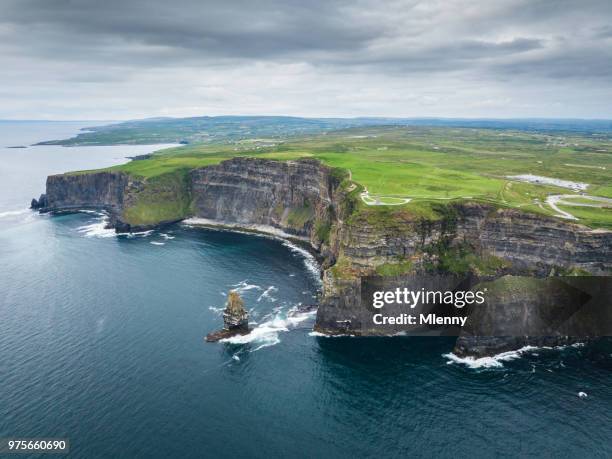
(430, 164)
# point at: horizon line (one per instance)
(395, 118)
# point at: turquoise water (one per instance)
(101, 341)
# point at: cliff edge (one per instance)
(320, 204)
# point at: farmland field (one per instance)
(432, 164)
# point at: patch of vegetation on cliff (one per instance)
(394, 269)
(350, 201)
(340, 174)
(463, 260)
(298, 217)
(322, 231)
(510, 286)
(400, 218)
(344, 269)
(571, 271)
(163, 198)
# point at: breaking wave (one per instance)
(497, 361)
(267, 333)
(309, 260)
(99, 228)
(244, 286)
(267, 294)
(137, 234)
(323, 335)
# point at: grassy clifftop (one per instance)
(432, 166)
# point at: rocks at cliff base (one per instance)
(235, 319)
(40, 203)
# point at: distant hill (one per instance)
(223, 129)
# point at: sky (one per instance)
(127, 59)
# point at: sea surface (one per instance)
(101, 342)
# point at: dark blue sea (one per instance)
(101, 342)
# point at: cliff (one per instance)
(312, 201)
(76, 191)
(294, 196)
(470, 240)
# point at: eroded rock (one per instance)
(235, 319)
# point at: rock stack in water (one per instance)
(235, 319)
(40, 203)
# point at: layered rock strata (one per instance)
(309, 200)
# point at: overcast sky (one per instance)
(122, 59)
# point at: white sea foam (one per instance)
(157, 243)
(495, 361)
(138, 234)
(316, 333)
(91, 212)
(309, 260)
(244, 286)
(267, 294)
(13, 213)
(97, 228)
(264, 230)
(323, 335)
(217, 311)
(166, 236)
(267, 333)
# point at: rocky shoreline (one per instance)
(306, 201)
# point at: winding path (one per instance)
(553, 200)
(375, 200)
(369, 200)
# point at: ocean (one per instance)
(102, 342)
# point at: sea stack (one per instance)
(235, 319)
(40, 203)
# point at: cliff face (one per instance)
(76, 191)
(493, 242)
(307, 199)
(529, 242)
(535, 243)
(295, 196)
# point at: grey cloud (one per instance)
(212, 28)
(301, 50)
(397, 36)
